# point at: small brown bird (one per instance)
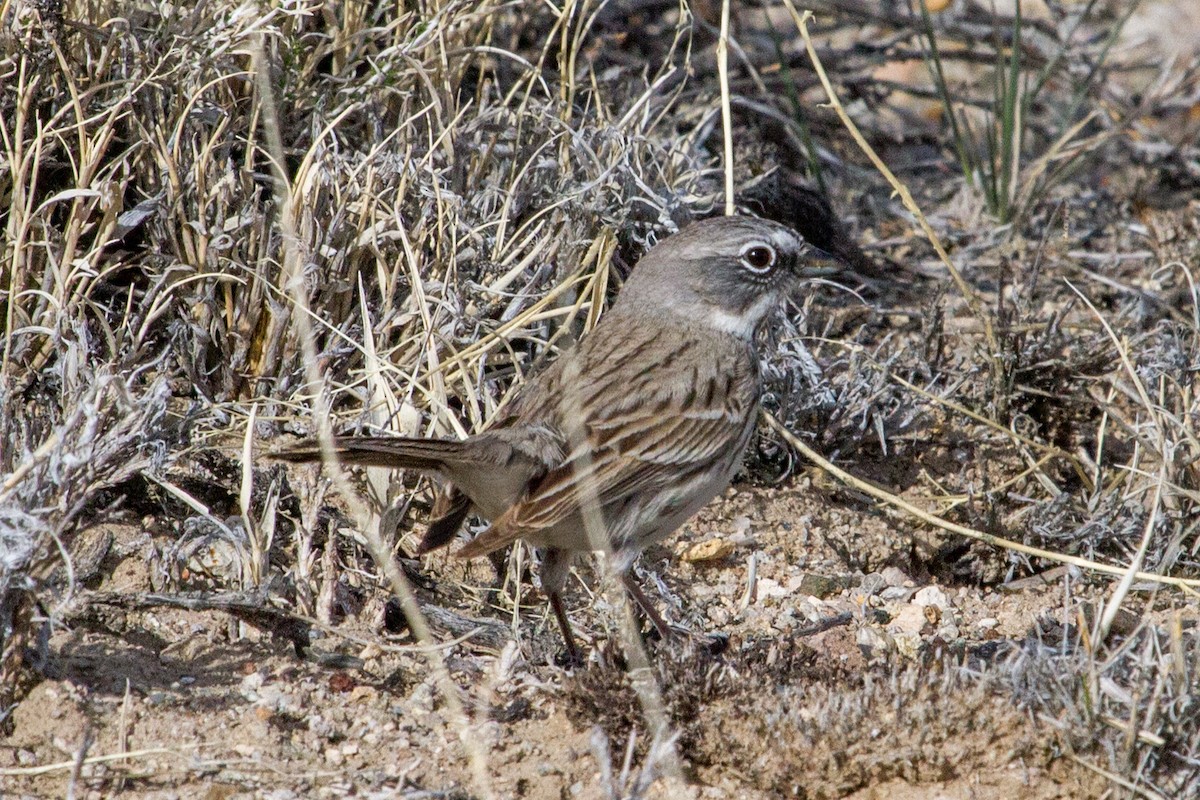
(632, 431)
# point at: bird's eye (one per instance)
(758, 258)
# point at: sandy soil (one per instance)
(879, 707)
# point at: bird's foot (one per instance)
(569, 658)
(674, 635)
(714, 643)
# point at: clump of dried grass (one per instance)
(1131, 702)
(63, 466)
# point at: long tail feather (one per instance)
(429, 455)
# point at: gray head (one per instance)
(728, 272)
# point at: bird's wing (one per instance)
(654, 435)
(449, 512)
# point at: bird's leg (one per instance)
(556, 565)
(644, 603)
(564, 625)
(499, 560)
(715, 643)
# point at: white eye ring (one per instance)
(758, 258)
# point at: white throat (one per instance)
(744, 324)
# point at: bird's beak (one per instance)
(816, 263)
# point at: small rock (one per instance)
(421, 698)
(341, 682)
(333, 756)
(360, 694)
(874, 643)
(709, 551)
(822, 586)
(251, 684)
(908, 645)
(932, 596)
(188, 649)
(909, 619)
(895, 577)
(320, 726)
(872, 583)
(272, 697)
(807, 608)
(768, 588)
(987, 623)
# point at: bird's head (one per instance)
(728, 272)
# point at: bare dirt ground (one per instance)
(220, 714)
(224, 224)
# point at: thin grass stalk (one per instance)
(293, 285)
(641, 675)
(1058, 161)
(1113, 606)
(1012, 133)
(968, 294)
(988, 167)
(1188, 585)
(726, 113)
(1085, 85)
(963, 144)
(792, 92)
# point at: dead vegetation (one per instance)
(222, 224)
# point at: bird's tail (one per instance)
(429, 455)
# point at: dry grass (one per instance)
(226, 223)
